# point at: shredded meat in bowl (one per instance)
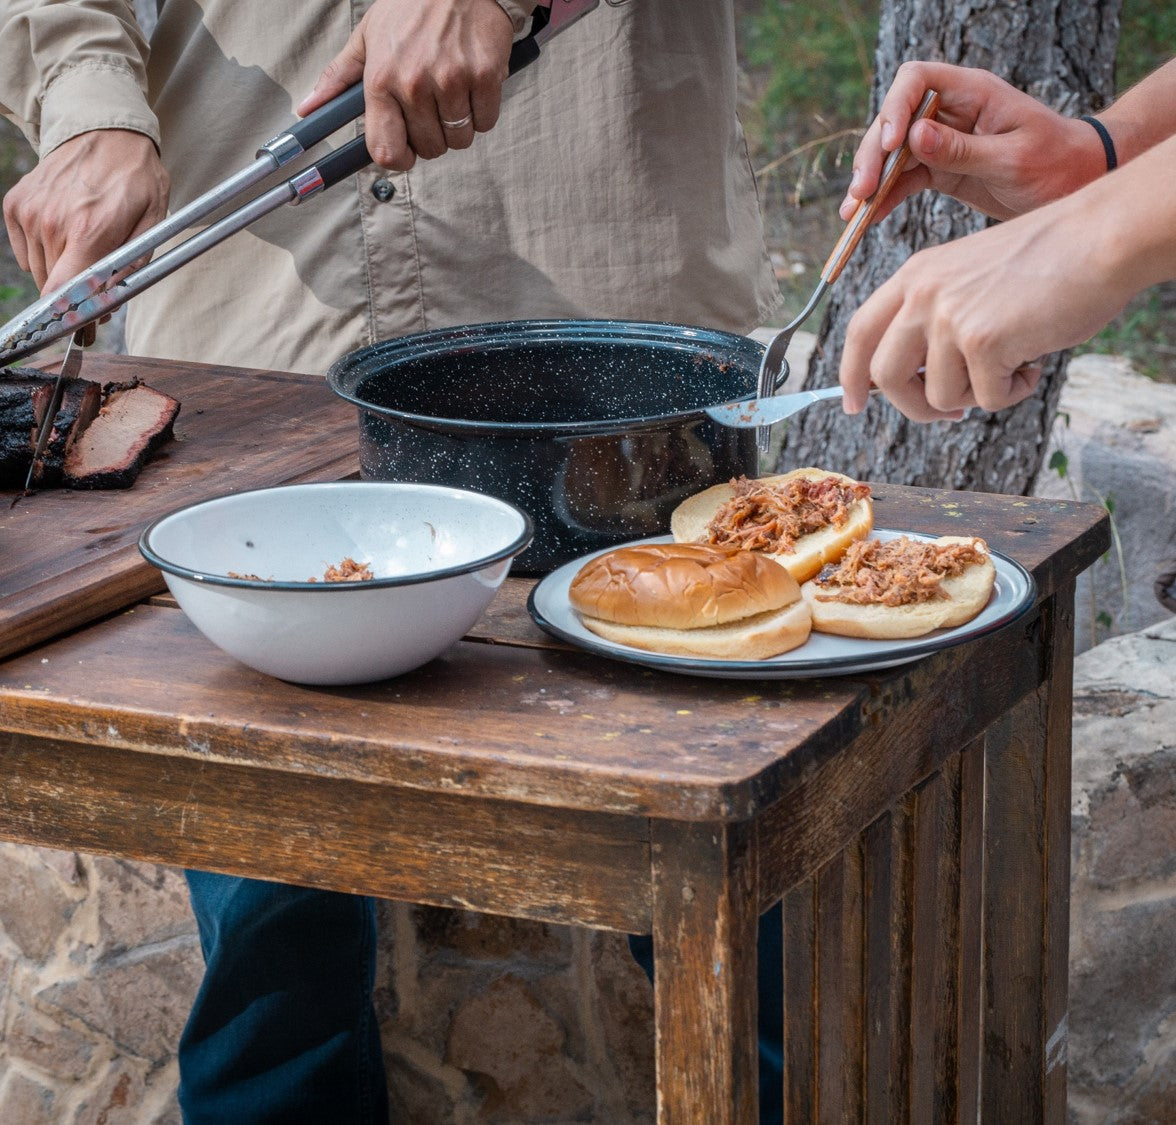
(348, 570)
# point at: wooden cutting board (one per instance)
(68, 558)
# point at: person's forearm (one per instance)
(960, 324)
(1132, 216)
(1144, 115)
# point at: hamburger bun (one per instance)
(961, 596)
(691, 599)
(706, 518)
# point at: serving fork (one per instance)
(773, 372)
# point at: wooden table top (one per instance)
(69, 557)
(509, 713)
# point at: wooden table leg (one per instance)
(1027, 887)
(704, 934)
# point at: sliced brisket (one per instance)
(101, 436)
(81, 400)
(133, 422)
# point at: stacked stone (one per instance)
(483, 1018)
(99, 962)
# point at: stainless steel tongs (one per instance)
(107, 284)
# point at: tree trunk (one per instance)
(1060, 52)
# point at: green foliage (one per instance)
(1145, 333)
(814, 59)
(1059, 463)
(1147, 38)
(15, 295)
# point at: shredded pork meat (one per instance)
(762, 517)
(347, 571)
(897, 572)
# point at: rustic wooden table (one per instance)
(915, 821)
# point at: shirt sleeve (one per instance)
(71, 66)
(519, 11)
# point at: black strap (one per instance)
(1105, 137)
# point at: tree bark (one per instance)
(1062, 53)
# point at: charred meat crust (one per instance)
(132, 420)
(135, 420)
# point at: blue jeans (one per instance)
(282, 1029)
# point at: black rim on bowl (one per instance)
(508, 551)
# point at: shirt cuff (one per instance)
(94, 95)
(519, 11)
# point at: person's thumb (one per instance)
(946, 150)
(340, 74)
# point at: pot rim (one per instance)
(346, 375)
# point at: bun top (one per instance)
(680, 585)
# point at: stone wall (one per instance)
(483, 1019)
(1114, 442)
(98, 965)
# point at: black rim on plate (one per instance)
(878, 657)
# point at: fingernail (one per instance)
(301, 107)
(889, 135)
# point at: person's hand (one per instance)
(962, 324)
(423, 63)
(83, 200)
(991, 146)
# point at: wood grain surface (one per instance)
(915, 821)
(68, 558)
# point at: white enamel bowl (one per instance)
(437, 554)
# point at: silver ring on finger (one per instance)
(460, 123)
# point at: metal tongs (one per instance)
(773, 372)
(106, 285)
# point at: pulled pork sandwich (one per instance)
(899, 588)
(802, 519)
(691, 599)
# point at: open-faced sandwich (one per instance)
(903, 587)
(691, 599)
(802, 519)
(756, 564)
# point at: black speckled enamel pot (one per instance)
(594, 427)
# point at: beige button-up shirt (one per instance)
(616, 183)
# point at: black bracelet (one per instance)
(1105, 137)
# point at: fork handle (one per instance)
(868, 208)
